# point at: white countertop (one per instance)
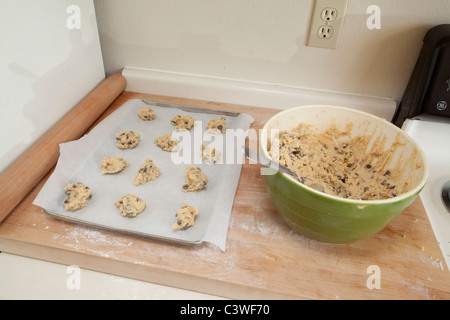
(24, 278)
(432, 134)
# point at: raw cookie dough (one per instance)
(167, 142)
(217, 125)
(183, 122)
(147, 172)
(196, 180)
(185, 217)
(147, 114)
(130, 205)
(113, 165)
(333, 162)
(127, 139)
(210, 154)
(78, 196)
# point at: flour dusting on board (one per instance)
(434, 262)
(84, 239)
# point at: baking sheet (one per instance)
(80, 162)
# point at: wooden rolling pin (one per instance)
(25, 173)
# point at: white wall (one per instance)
(45, 68)
(264, 41)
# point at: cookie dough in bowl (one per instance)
(358, 171)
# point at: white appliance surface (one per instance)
(433, 135)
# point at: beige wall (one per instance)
(264, 40)
(46, 68)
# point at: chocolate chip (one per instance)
(220, 127)
(368, 166)
(185, 187)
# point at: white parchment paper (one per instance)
(79, 161)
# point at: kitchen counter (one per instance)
(23, 278)
(264, 258)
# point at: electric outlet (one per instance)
(326, 23)
(328, 14)
(325, 32)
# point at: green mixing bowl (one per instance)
(329, 218)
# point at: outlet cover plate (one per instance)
(322, 9)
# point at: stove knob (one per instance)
(445, 195)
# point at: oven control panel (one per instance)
(437, 99)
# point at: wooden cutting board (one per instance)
(264, 258)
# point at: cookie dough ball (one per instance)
(183, 122)
(147, 172)
(185, 217)
(167, 142)
(217, 125)
(147, 114)
(111, 165)
(127, 139)
(130, 205)
(196, 180)
(77, 196)
(210, 154)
